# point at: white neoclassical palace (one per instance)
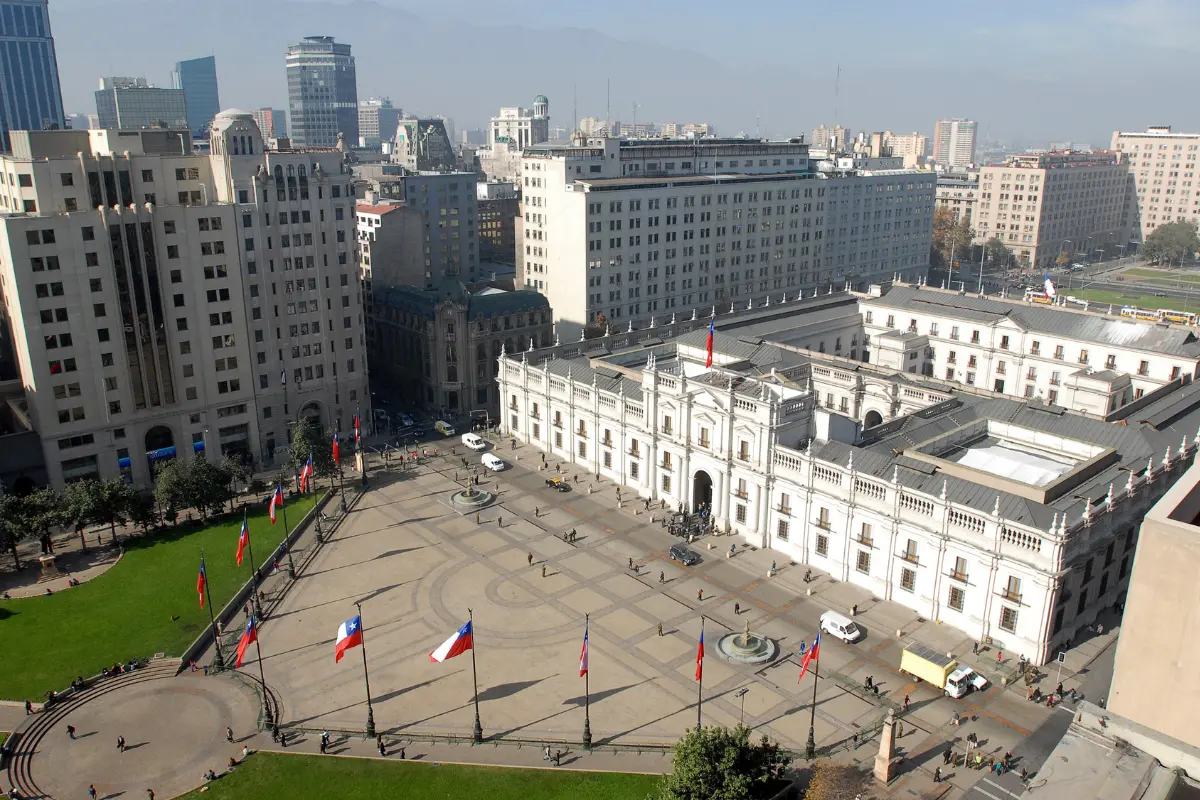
(1002, 516)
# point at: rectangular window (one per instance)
(785, 503)
(741, 513)
(607, 459)
(863, 562)
(1012, 591)
(582, 449)
(1008, 619)
(957, 598)
(960, 569)
(908, 579)
(910, 551)
(822, 545)
(864, 535)
(666, 483)
(823, 518)
(781, 530)
(634, 469)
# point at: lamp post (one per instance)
(741, 694)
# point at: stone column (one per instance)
(887, 748)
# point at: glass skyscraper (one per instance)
(30, 98)
(322, 92)
(197, 77)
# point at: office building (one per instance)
(1157, 644)
(164, 294)
(322, 92)
(1162, 164)
(422, 145)
(197, 78)
(131, 103)
(835, 139)
(954, 142)
(499, 206)
(1006, 520)
(30, 98)
(1045, 205)
(272, 122)
(617, 230)
(687, 130)
(377, 121)
(441, 347)
(509, 134)
(958, 192)
(912, 147)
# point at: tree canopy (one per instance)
(950, 238)
(308, 439)
(830, 781)
(195, 483)
(718, 763)
(1171, 242)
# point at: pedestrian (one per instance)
(573, 534)
(121, 743)
(543, 570)
(905, 704)
(28, 708)
(937, 775)
(537, 512)
(529, 558)
(854, 610)
(802, 646)
(955, 719)
(558, 758)
(92, 791)
(499, 522)
(228, 734)
(546, 753)
(1024, 775)
(974, 648)
(283, 739)
(999, 656)
(149, 794)
(402, 756)
(71, 731)
(662, 577)
(869, 682)
(854, 740)
(660, 633)
(322, 746)
(379, 745)
(946, 756)
(275, 734)
(325, 737)
(1058, 690)
(631, 562)
(699, 594)
(192, 664)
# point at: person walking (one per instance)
(379, 745)
(325, 738)
(974, 648)
(558, 758)
(955, 719)
(662, 577)
(546, 753)
(999, 656)
(631, 562)
(275, 734)
(92, 791)
(737, 609)
(529, 558)
(543, 570)
(660, 633)
(946, 756)
(71, 731)
(402, 756)
(905, 704)
(537, 512)
(121, 743)
(228, 734)
(28, 708)
(937, 775)
(700, 594)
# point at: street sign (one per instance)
(1062, 656)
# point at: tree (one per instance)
(308, 439)
(951, 238)
(237, 471)
(11, 529)
(1171, 242)
(195, 483)
(170, 488)
(99, 502)
(832, 781)
(40, 511)
(718, 763)
(141, 510)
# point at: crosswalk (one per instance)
(1005, 787)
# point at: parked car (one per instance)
(683, 555)
(406, 420)
(558, 484)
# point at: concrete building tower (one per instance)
(322, 92)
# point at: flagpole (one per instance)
(267, 715)
(810, 749)
(587, 714)
(341, 480)
(366, 675)
(700, 683)
(288, 547)
(253, 572)
(475, 679)
(219, 661)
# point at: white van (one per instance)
(474, 442)
(493, 463)
(841, 626)
(963, 680)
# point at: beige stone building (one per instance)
(1162, 167)
(958, 192)
(909, 146)
(1158, 647)
(1042, 204)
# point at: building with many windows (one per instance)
(499, 206)
(30, 97)
(911, 147)
(197, 79)
(958, 192)
(134, 103)
(616, 230)
(1009, 520)
(954, 142)
(1162, 170)
(272, 122)
(175, 303)
(423, 145)
(377, 121)
(322, 92)
(1045, 205)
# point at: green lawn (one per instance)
(1162, 276)
(127, 612)
(265, 776)
(1133, 298)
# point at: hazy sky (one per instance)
(1034, 71)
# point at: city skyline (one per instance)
(1078, 49)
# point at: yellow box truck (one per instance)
(927, 664)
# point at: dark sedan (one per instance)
(683, 555)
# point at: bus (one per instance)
(1143, 314)
(1178, 317)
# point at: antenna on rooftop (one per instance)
(837, 82)
(608, 102)
(574, 110)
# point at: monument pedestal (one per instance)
(50, 569)
(884, 761)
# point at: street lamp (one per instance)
(741, 693)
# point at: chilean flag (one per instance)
(276, 500)
(811, 655)
(1050, 293)
(708, 361)
(243, 541)
(583, 654)
(337, 451)
(305, 474)
(249, 636)
(700, 656)
(357, 434)
(201, 582)
(349, 635)
(459, 642)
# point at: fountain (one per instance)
(747, 647)
(464, 501)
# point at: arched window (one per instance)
(302, 173)
(235, 145)
(250, 145)
(291, 170)
(279, 173)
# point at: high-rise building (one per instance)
(272, 122)
(499, 206)
(377, 121)
(30, 98)
(954, 142)
(1045, 205)
(423, 145)
(197, 78)
(1158, 192)
(131, 103)
(165, 293)
(911, 147)
(322, 92)
(621, 230)
(836, 138)
(515, 129)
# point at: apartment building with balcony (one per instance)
(1162, 178)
